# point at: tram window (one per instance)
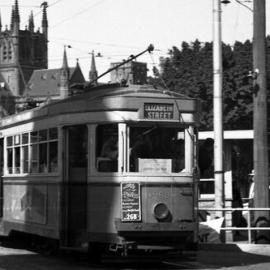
(53, 133)
(107, 148)
(34, 137)
(9, 141)
(53, 156)
(25, 138)
(39, 154)
(43, 163)
(17, 139)
(17, 159)
(156, 149)
(9, 159)
(42, 135)
(25, 157)
(34, 162)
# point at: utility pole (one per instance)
(261, 192)
(218, 108)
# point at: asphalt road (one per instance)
(21, 259)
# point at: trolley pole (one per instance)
(261, 192)
(218, 108)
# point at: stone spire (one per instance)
(44, 23)
(65, 63)
(16, 12)
(93, 71)
(12, 18)
(15, 18)
(64, 77)
(31, 25)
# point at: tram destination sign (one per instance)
(130, 202)
(161, 111)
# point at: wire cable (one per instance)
(78, 13)
(181, 119)
(239, 2)
(40, 11)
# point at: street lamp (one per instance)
(239, 2)
(225, 2)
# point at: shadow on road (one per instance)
(214, 259)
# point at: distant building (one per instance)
(22, 51)
(26, 81)
(24, 74)
(7, 100)
(93, 74)
(132, 73)
(53, 84)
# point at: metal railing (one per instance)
(249, 228)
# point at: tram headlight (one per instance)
(161, 211)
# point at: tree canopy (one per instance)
(189, 70)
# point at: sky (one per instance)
(118, 28)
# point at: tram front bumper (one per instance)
(123, 227)
(165, 233)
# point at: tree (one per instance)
(189, 71)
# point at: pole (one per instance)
(260, 147)
(218, 112)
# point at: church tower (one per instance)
(22, 51)
(93, 70)
(64, 77)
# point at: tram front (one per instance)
(158, 184)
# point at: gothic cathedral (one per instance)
(22, 51)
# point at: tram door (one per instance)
(76, 172)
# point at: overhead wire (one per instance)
(181, 119)
(167, 88)
(79, 13)
(40, 11)
(98, 43)
(21, 6)
(239, 2)
(54, 3)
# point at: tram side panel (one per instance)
(31, 208)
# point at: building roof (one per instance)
(46, 82)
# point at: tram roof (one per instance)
(108, 98)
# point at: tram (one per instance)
(112, 167)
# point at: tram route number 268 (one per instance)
(130, 217)
(130, 201)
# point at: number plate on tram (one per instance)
(130, 202)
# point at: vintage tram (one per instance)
(112, 167)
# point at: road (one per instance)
(22, 259)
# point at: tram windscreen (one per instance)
(156, 149)
(107, 148)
